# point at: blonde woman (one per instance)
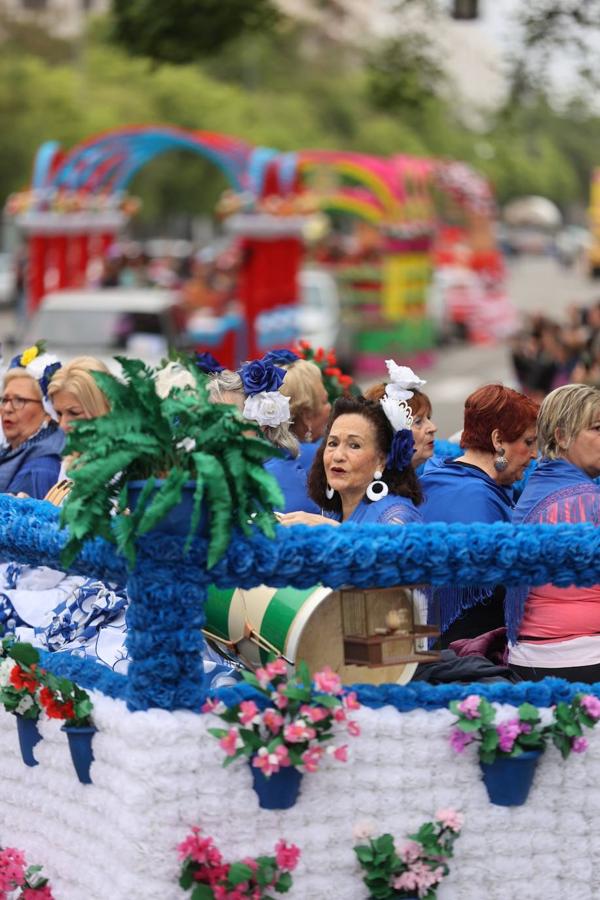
(558, 630)
(75, 395)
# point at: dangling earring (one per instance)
(308, 436)
(377, 489)
(501, 463)
(329, 492)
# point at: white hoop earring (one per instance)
(377, 489)
(329, 492)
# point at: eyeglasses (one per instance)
(17, 403)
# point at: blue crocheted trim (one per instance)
(167, 588)
(419, 695)
(88, 673)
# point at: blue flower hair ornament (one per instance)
(281, 355)
(400, 417)
(401, 451)
(208, 364)
(259, 377)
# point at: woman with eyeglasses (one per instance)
(30, 461)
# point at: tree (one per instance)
(403, 73)
(183, 31)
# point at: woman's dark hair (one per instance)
(404, 483)
(496, 406)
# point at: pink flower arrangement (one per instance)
(476, 722)
(417, 867)
(19, 881)
(289, 719)
(207, 875)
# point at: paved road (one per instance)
(535, 283)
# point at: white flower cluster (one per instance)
(172, 376)
(156, 772)
(6, 667)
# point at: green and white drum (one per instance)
(298, 624)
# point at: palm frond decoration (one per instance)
(166, 442)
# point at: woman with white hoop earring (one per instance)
(362, 472)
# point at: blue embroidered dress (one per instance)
(291, 475)
(390, 510)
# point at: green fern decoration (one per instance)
(180, 438)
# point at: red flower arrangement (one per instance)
(336, 382)
(211, 878)
(15, 876)
(26, 689)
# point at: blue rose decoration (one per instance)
(207, 363)
(258, 376)
(49, 371)
(281, 355)
(402, 449)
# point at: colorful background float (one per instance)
(397, 209)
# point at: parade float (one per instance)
(416, 221)
(377, 813)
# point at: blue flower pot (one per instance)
(508, 779)
(280, 791)
(177, 520)
(80, 745)
(29, 736)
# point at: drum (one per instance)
(298, 624)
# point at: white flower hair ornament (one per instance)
(171, 376)
(41, 366)
(267, 408)
(403, 381)
(399, 415)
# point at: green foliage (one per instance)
(181, 31)
(180, 437)
(477, 721)
(403, 73)
(383, 864)
(288, 87)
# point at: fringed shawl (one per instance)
(556, 493)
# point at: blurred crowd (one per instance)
(205, 278)
(547, 354)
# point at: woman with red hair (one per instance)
(499, 442)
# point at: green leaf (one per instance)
(24, 654)
(202, 892)
(238, 872)
(528, 713)
(490, 740)
(364, 854)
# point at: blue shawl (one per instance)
(38, 455)
(458, 492)
(556, 492)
